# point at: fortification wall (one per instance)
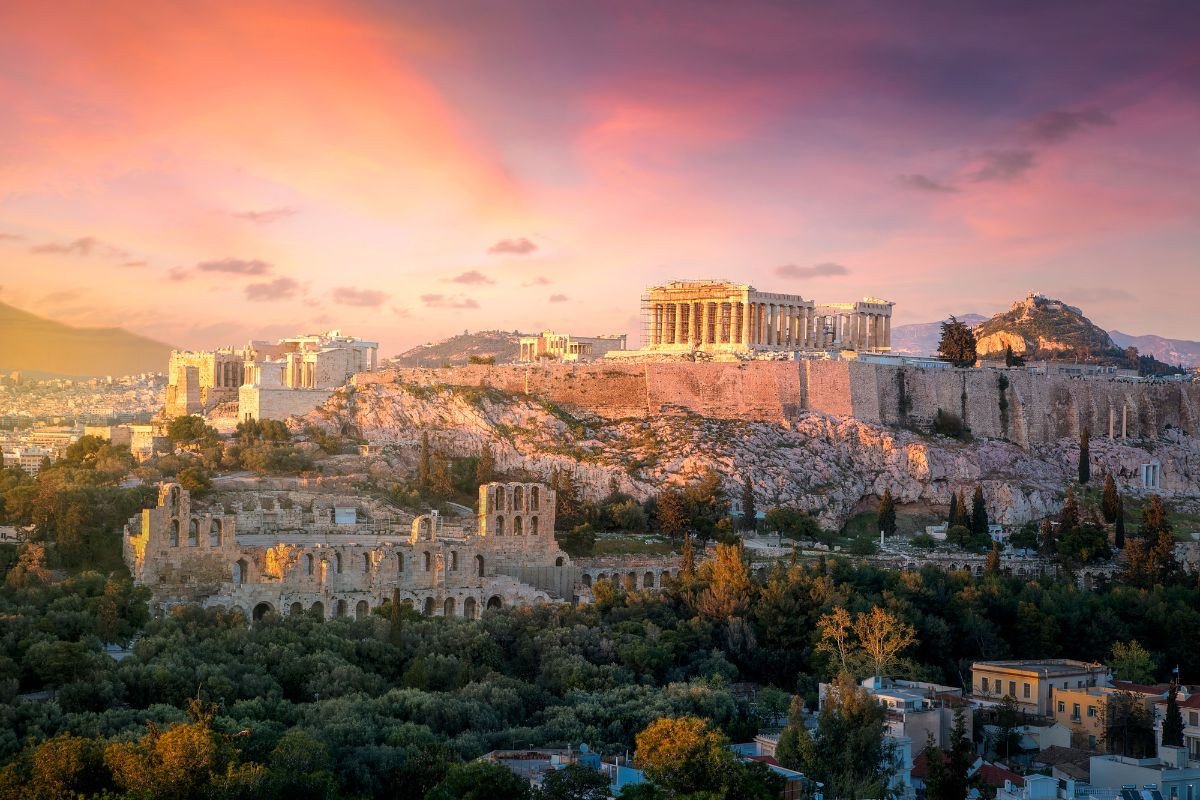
(1035, 408)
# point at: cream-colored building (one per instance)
(718, 316)
(29, 458)
(568, 348)
(1033, 683)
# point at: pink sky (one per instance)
(204, 173)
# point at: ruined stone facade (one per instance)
(724, 317)
(267, 380)
(293, 560)
(565, 347)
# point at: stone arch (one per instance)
(318, 608)
(174, 533)
(500, 525)
(340, 609)
(174, 498)
(602, 577)
(558, 562)
(193, 534)
(428, 561)
(361, 609)
(470, 608)
(261, 610)
(519, 498)
(479, 566)
(495, 601)
(500, 498)
(518, 527)
(448, 607)
(429, 606)
(296, 608)
(454, 560)
(214, 534)
(631, 580)
(337, 563)
(648, 580)
(533, 526)
(308, 564)
(399, 562)
(587, 579)
(240, 570)
(238, 610)
(534, 498)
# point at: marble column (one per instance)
(679, 333)
(745, 339)
(887, 331)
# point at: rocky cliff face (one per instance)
(1039, 323)
(825, 465)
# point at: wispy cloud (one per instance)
(448, 301)
(540, 280)
(351, 296)
(559, 298)
(281, 288)
(235, 266)
(474, 277)
(1004, 165)
(11, 237)
(516, 247)
(133, 263)
(83, 246)
(1053, 127)
(266, 216)
(924, 183)
(822, 270)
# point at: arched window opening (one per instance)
(239, 571)
(261, 610)
(533, 498)
(174, 533)
(648, 580)
(366, 561)
(361, 610)
(533, 526)
(499, 525)
(214, 534)
(341, 608)
(193, 534)
(448, 607)
(479, 565)
(518, 499)
(337, 563)
(428, 561)
(399, 562)
(495, 602)
(454, 560)
(500, 498)
(518, 528)
(296, 608)
(429, 606)
(587, 580)
(558, 562)
(318, 608)
(308, 564)
(470, 610)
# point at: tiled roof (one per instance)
(993, 775)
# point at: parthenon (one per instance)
(724, 317)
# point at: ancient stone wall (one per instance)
(255, 402)
(1035, 409)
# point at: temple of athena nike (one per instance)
(723, 317)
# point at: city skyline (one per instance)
(211, 174)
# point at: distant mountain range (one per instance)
(1048, 320)
(41, 346)
(503, 346)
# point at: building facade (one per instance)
(723, 317)
(1033, 683)
(327, 561)
(568, 348)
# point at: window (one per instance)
(1091, 711)
(983, 685)
(308, 564)
(1075, 711)
(1193, 718)
(1079, 684)
(1062, 707)
(1012, 688)
(1025, 690)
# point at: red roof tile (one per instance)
(993, 775)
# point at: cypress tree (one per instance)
(1085, 460)
(953, 515)
(1046, 534)
(1172, 730)
(424, 463)
(979, 515)
(1119, 534)
(961, 516)
(485, 468)
(749, 513)
(887, 513)
(1110, 501)
(687, 572)
(993, 560)
(1154, 518)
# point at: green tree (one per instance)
(195, 479)
(952, 514)
(480, 780)
(1129, 661)
(1069, 516)
(792, 524)
(485, 467)
(684, 756)
(1085, 459)
(749, 513)
(1119, 527)
(1026, 538)
(1110, 504)
(979, 515)
(961, 515)
(574, 782)
(188, 430)
(957, 344)
(887, 513)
